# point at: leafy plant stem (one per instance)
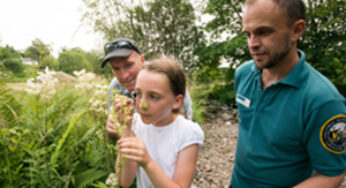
(68, 179)
(46, 142)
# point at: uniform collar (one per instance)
(297, 75)
(295, 78)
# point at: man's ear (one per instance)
(178, 101)
(142, 59)
(298, 29)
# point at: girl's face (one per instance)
(155, 99)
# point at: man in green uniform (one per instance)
(292, 125)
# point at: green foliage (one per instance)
(73, 60)
(14, 65)
(10, 137)
(50, 62)
(198, 98)
(227, 17)
(95, 59)
(226, 22)
(12, 68)
(171, 29)
(28, 72)
(99, 185)
(10, 63)
(160, 26)
(8, 52)
(224, 93)
(88, 177)
(9, 107)
(52, 143)
(232, 51)
(324, 39)
(12, 155)
(38, 51)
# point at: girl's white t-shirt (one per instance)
(165, 143)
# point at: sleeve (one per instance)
(110, 95)
(188, 105)
(324, 137)
(112, 87)
(192, 134)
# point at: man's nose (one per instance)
(254, 42)
(124, 74)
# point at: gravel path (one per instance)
(216, 159)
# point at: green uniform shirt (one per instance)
(291, 128)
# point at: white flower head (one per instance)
(44, 84)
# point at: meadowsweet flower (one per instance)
(86, 81)
(44, 84)
(111, 180)
(95, 87)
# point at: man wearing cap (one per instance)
(126, 60)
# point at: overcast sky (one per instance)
(55, 22)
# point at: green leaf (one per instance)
(87, 177)
(72, 123)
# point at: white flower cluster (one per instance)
(47, 83)
(99, 99)
(85, 81)
(95, 87)
(44, 84)
(112, 180)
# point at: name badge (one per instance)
(243, 100)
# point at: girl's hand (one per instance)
(134, 149)
(123, 109)
(111, 129)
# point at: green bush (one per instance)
(56, 142)
(198, 98)
(73, 60)
(9, 107)
(14, 65)
(224, 93)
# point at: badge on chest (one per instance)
(243, 100)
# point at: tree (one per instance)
(94, 59)
(160, 26)
(324, 39)
(49, 61)
(8, 52)
(226, 24)
(38, 51)
(14, 65)
(227, 17)
(10, 60)
(72, 60)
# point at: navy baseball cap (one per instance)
(121, 47)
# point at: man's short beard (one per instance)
(279, 56)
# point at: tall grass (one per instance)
(52, 142)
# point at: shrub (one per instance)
(15, 65)
(54, 140)
(224, 93)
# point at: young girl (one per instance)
(161, 149)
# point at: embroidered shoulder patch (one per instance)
(333, 134)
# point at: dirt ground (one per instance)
(216, 159)
(17, 86)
